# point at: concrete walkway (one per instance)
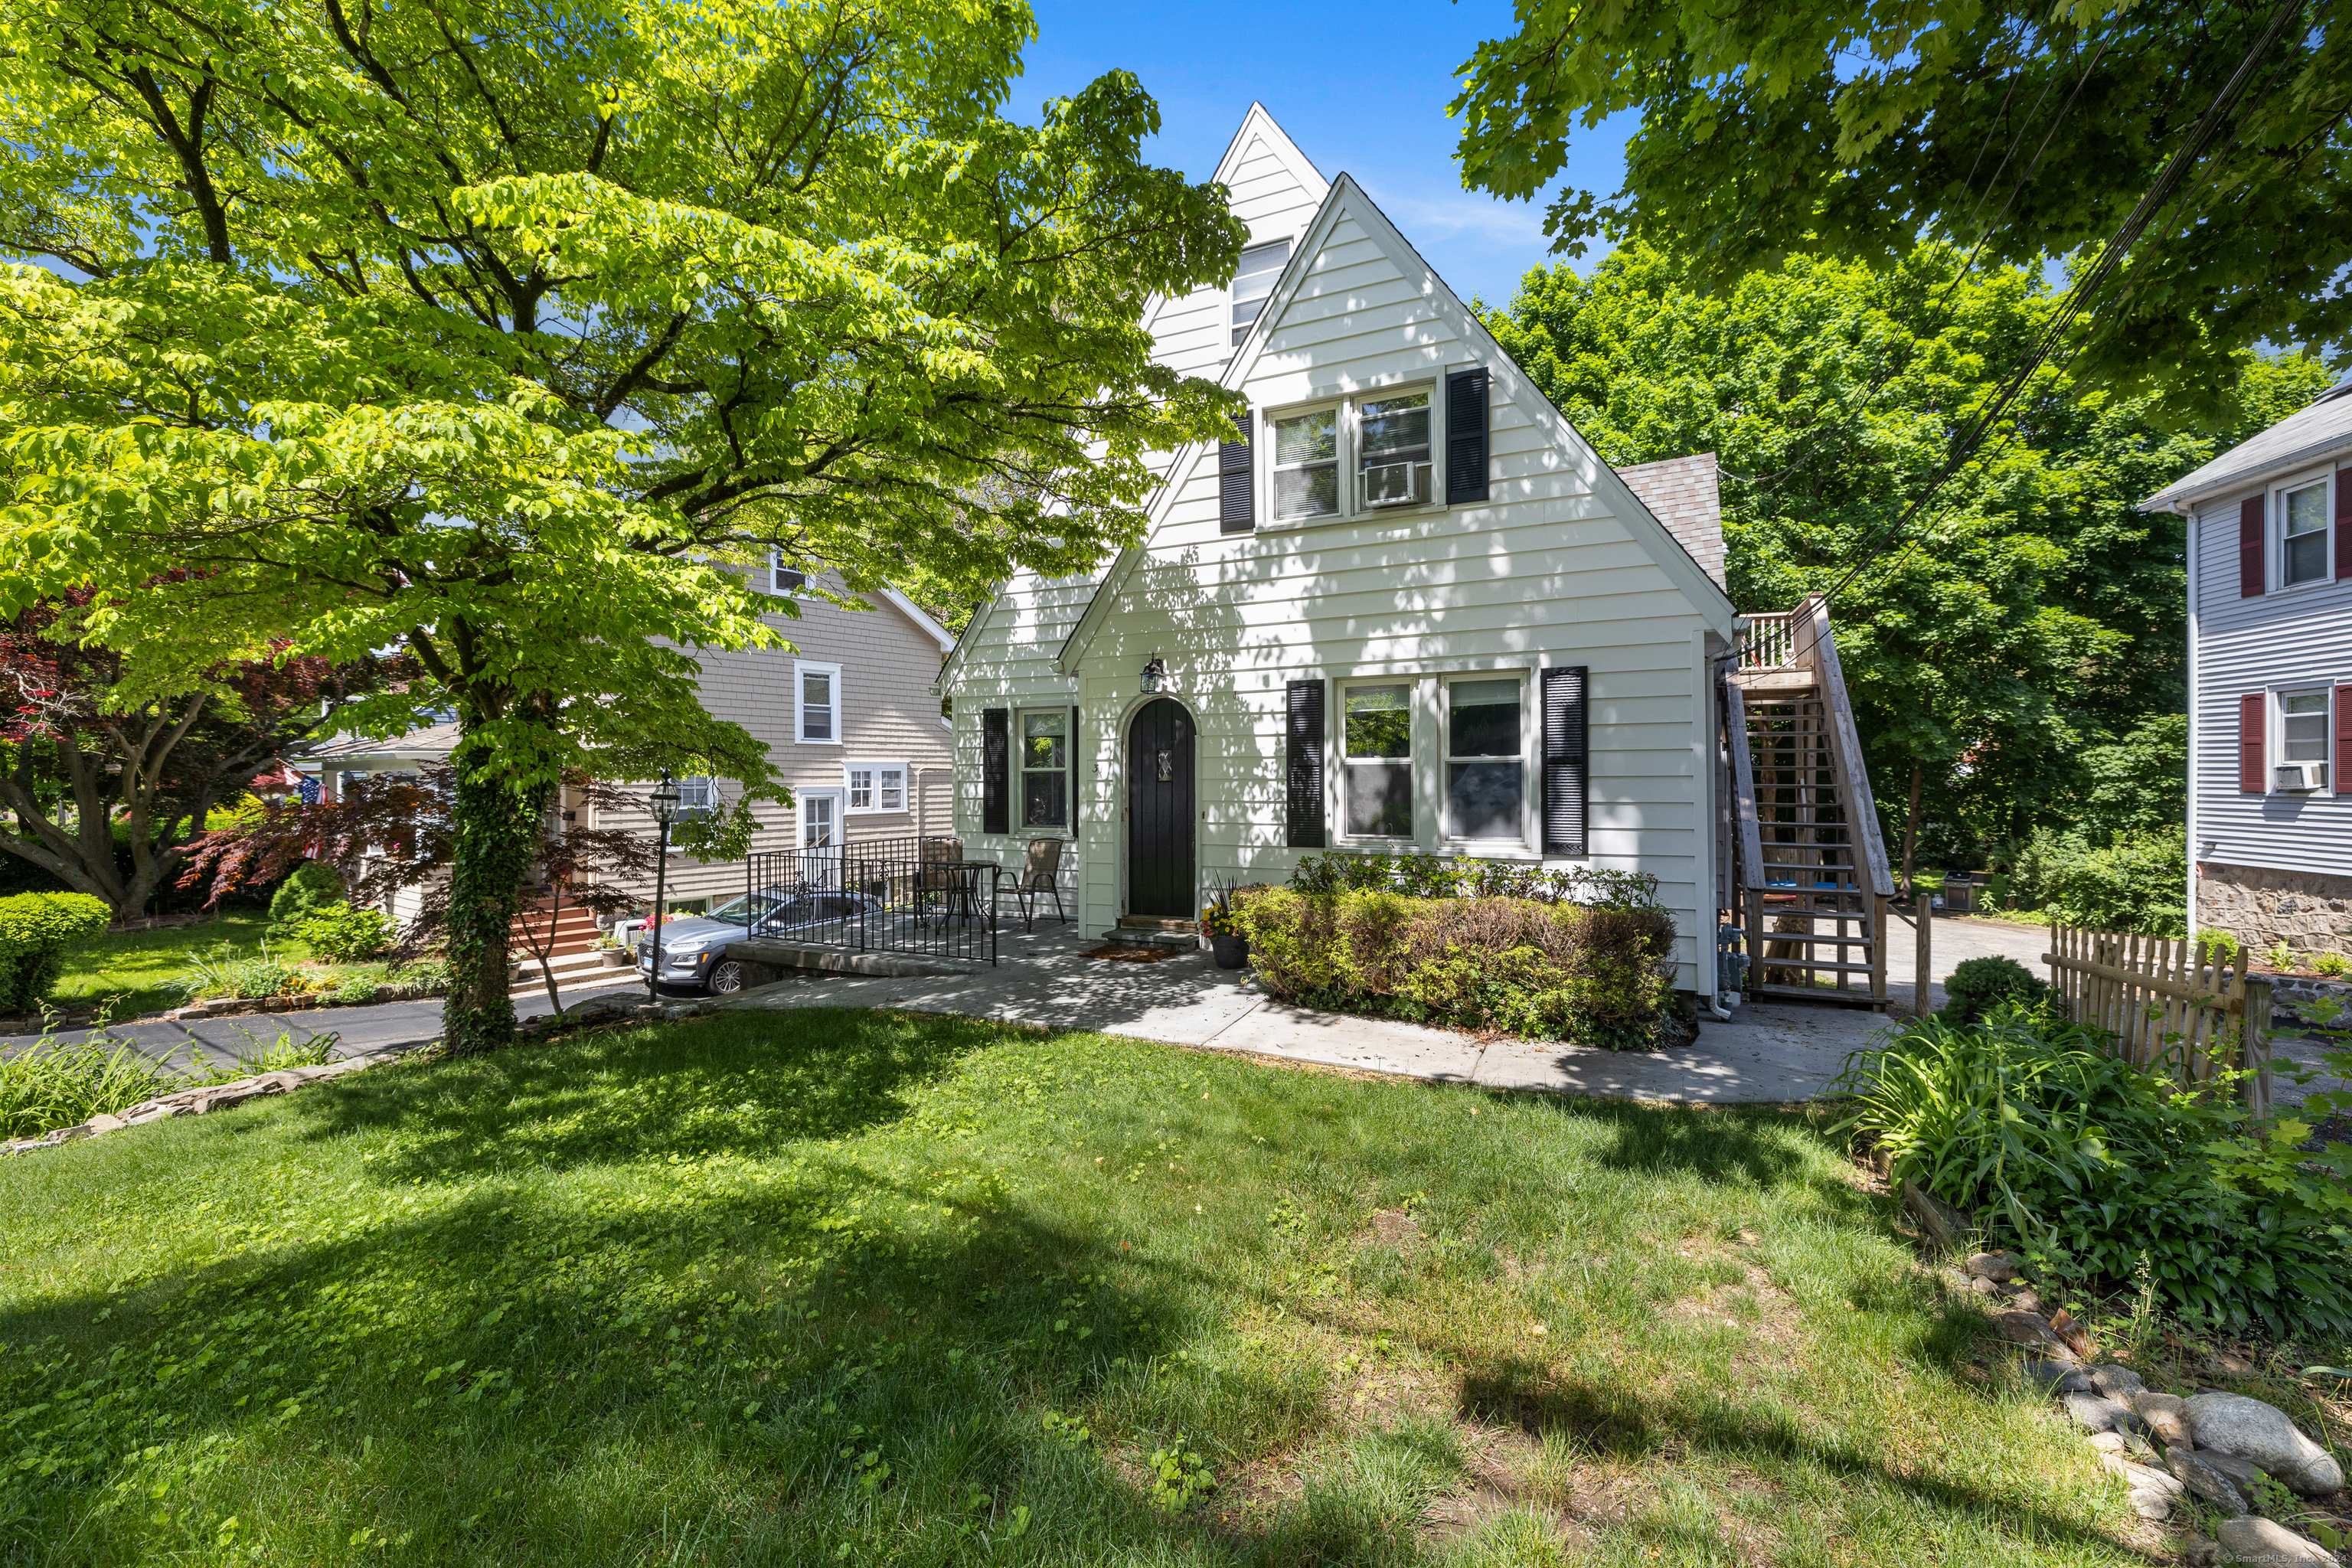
(1766, 1054)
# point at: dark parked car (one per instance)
(694, 951)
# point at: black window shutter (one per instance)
(1073, 814)
(995, 770)
(1465, 435)
(1236, 496)
(1303, 735)
(1564, 756)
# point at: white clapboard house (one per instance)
(1406, 608)
(2269, 680)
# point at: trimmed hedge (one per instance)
(1570, 971)
(34, 931)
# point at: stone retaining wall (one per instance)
(2308, 910)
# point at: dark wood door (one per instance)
(1160, 810)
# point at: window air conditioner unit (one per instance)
(1396, 484)
(2300, 778)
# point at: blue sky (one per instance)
(1362, 89)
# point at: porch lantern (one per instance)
(1155, 677)
(664, 802)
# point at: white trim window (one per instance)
(2302, 726)
(1376, 760)
(816, 704)
(1044, 767)
(1392, 450)
(783, 581)
(1353, 457)
(1306, 464)
(1485, 758)
(2303, 514)
(1254, 281)
(696, 797)
(875, 787)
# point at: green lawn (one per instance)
(817, 1287)
(137, 967)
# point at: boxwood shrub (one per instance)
(34, 931)
(1597, 975)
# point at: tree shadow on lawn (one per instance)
(743, 1084)
(604, 1386)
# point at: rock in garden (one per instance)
(2247, 1475)
(2120, 1383)
(2141, 1477)
(2032, 1329)
(2204, 1481)
(2237, 1425)
(2058, 1377)
(1982, 1286)
(1997, 1266)
(2110, 1445)
(2024, 1300)
(2093, 1412)
(2150, 1505)
(2255, 1539)
(2166, 1417)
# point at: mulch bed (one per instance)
(1130, 954)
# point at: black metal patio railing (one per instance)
(881, 895)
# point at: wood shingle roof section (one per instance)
(1686, 495)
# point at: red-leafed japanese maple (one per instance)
(391, 835)
(81, 730)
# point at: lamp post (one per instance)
(664, 805)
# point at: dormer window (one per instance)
(1254, 281)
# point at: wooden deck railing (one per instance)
(1768, 642)
(2163, 1008)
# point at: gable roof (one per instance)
(1348, 199)
(1687, 495)
(2318, 430)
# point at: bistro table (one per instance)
(959, 882)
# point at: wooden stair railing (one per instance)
(1812, 861)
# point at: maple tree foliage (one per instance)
(155, 763)
(392, 834)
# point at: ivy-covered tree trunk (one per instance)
(495, 837)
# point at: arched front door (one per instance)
(1160, 810)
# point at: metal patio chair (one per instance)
(1040, 877)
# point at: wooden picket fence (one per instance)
(2163, 1007)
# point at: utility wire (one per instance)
(2087, 284)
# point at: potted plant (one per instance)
(1222, 925)
(614, 954)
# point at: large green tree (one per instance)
(2030, 614)
(1855, 130)
(508, 335)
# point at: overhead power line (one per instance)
(2087, 284)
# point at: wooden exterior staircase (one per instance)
(1810, 882)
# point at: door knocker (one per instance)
(1167, 768)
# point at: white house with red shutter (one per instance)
(2269, 680)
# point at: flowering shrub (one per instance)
(1596, 975)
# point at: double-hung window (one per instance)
(1254, 280)
(1392, 451)
(2302, 726)
(1046, 767)
(818, 704)
(695, 798)
(1306, 464)
(1485, 758)
(2304, 519)
(1358, 456)
(1377, 764)
(783, 579)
